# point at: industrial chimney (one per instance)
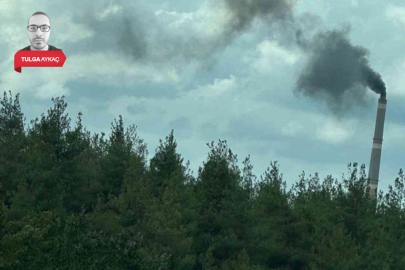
(374, 168)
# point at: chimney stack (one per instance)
(374, 168)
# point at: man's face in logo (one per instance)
(39, 39)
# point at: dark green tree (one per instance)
(12, 145)
(41, 185)
(274, 227)
(123, 207)
(74, 201)
(119, 149)
(79, 170)
(222, 218)
(154, 202)
(384, 247)
(45, 241)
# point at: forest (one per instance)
(72, 200)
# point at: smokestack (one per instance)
(374, 168)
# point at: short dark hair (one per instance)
(39, 13)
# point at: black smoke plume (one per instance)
(137, 33)
(337, 71)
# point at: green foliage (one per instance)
(75, 201)
(166, 168)
(165, 226)
(119, 149)
(274, 228)
(31, 242)
(41, 183)
(222, 208)
(45, 242)
(12, 145)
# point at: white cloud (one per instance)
(177, 18)
(273, 50)
(216, 89)
(14, 37)
(333, 132)
(8, 8)
(110, 10)
(395, 14)
(292, 128)
(208, 23)
(51, 89)
(214, 17)
(354, 3)
(269, 54)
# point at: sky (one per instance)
(295, 82)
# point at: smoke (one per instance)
(130, 39)
(118, 28)
(170, 36)
(337, 71)
(217, 23)
(244, 11)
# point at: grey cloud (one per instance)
(122, 31)
(135, 109)
(266, 138)
(182, 127)
(209, 130)
(245, 11)
(180, 123)
(395, 113)
(243, 128)
(101, 92)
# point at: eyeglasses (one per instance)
(34, 28)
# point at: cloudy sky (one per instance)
(280, 80)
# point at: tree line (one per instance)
(72, 200)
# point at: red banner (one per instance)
(38, 59)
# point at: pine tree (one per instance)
(166, 225)
(78, 170)
(120, 147)
(222, 219)
(126, 206)
(41, 185)
(272, 221)
(12, 145)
